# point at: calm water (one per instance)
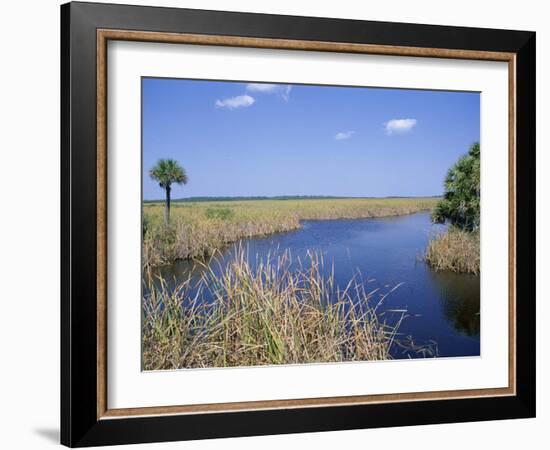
(441, 307)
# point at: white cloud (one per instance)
(266, 88)
(343, 135)
(286, 93)
(241, 101)
(399, 126)
(261, 87)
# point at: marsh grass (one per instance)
(278, 311)
(198, 230)
(455, 250)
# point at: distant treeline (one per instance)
(278, 197)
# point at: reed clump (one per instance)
(277, 311)
(198, 229)
(455, 250)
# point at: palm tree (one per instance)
(166, 172)
(460, 202)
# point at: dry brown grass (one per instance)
(270, 314)
(455, 250)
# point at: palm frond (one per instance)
(168, 172)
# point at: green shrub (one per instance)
(219, 213)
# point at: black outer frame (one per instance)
(79, 424)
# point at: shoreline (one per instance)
(199, 230)
(229, 244)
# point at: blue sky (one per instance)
(247, 139)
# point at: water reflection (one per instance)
(459, 298)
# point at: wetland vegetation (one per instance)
(271, 313)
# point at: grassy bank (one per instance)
(263, 315)
(456, 250)
(198, 229)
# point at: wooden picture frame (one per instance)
(86, 418)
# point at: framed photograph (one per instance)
(276, 224)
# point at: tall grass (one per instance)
(278, 311)
(198, 229)
(456, 251)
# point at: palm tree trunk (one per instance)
(167, 207)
